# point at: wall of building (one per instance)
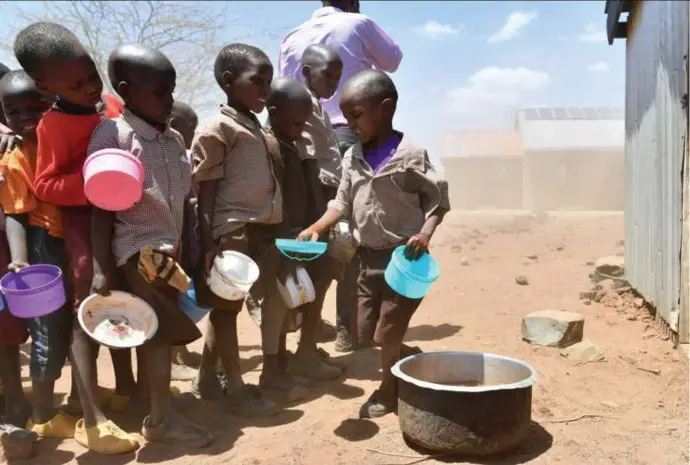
(656, 124)
(476, 183)
(575, 179)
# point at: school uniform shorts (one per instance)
(50, 334)
(382, 312)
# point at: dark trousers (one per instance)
(346, 292)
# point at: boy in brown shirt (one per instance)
(239, 204)
(385, 169)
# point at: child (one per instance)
(322, 69)
(60, 66)
(145, 79)
(385, 170)
(185, 120)
(289, 108)
(240, 203)
(35, 231)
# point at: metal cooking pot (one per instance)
(464, 403)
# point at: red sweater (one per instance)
(63, 139)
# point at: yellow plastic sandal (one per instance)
(60, 427)
(106, 438)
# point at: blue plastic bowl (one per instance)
(411, 278)
(187, 302)
(313, 248)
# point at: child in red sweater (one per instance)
(60, 65)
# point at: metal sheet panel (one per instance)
(654, 143)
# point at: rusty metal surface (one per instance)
(656, 81)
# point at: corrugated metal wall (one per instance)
(656, 80)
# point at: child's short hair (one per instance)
(234, 58)
(127, 60)
(373, 83)
(16, 77)
(286, 90)
(45, 41)
(317, 54)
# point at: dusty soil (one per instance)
(616, 411)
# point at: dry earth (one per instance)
(629, 409)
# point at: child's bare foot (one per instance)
(326, 357)
(176, 429)
(248, 401)
(17, 443)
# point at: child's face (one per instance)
(324, 79)
(252, 86)
(74, 81)
(365, 116)
(150, 95)
(23, 108)
(289, 120)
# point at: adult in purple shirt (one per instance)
(361, 44)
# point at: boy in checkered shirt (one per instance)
(391, 194)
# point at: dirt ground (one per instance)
(638, 417)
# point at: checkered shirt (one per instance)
(158, 217)
(389, 207)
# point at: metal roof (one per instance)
(454, 144)
(571, 128)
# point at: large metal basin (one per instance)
(437, 412)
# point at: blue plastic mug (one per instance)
(411, 278)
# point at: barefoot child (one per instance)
(385, 169)
(239, 205)
(145, 79)
(34, 231)
(60, 65)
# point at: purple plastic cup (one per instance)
(34, 291)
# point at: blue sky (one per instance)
(468, 65)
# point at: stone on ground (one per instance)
(612, 266)
(552, 328)
(585, 351)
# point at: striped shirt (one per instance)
(157, 219)
(319, 143)
(390, 206)
(234, 150)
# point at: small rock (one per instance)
(464, 261)
(606, 285)
(522, 280)
(639, 302)
(533, 257)
(620, 243)
(587, 302)
(553, 328)
(17, 444)
(560, 248)
(456, 248)
(585, 351)
(611, 266)
(589, 263)
(631, 317)
(609, 404)
(589, 295)
(652, 370)
(611, 299)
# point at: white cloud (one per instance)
(492, 95)
(599, 67)
(511, 29)
(592, 34)
(435, 30)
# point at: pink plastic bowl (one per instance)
(113, 179)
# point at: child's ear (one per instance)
(305, 71)
(388, 106)
(122, 90)
(226, 80)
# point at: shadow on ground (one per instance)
(426, 333)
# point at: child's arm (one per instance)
(338, 208)
(15, 226)
(101, 239)
(54, 183)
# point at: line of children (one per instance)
(253, 183)
(389, 190)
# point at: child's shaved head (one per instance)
(45, 41)
(22, 103)
(17, 81)
(184, 120)
(372, 84)
(129, 62)
(289, 106)
(322, 69)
